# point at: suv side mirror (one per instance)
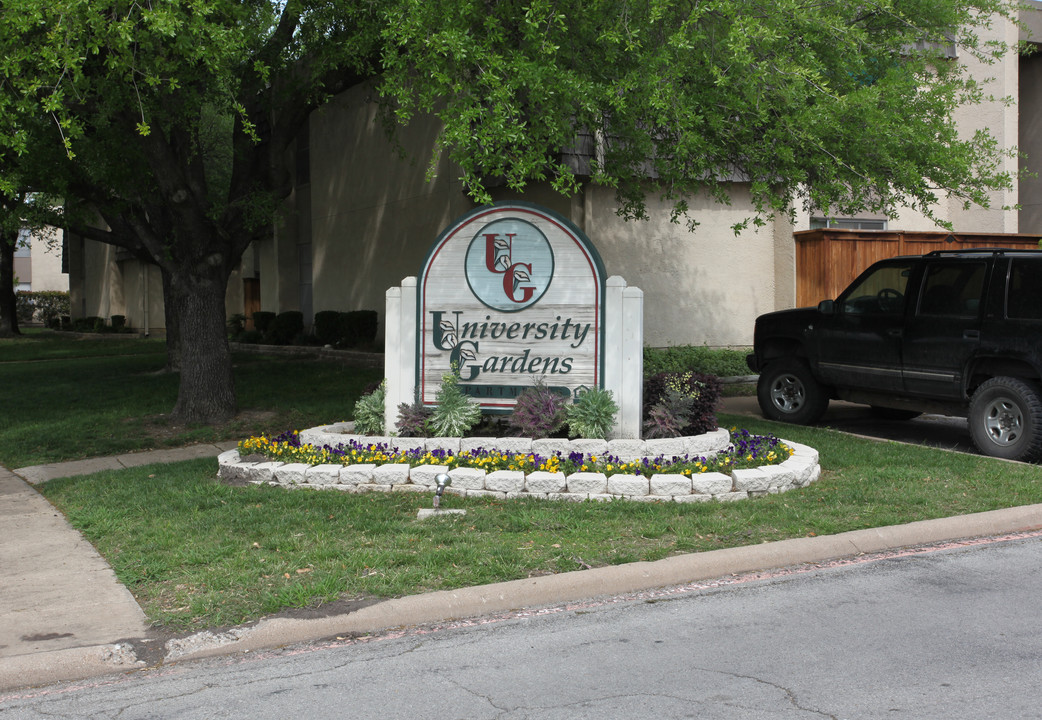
(827, 307)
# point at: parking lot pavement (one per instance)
(949, 433)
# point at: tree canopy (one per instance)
(174, 115)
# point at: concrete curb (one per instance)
(444, 606)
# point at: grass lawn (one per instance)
(65, 399)
(199, 553)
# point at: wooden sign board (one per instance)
(509, 294)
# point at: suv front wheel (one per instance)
(787, 391)
(1006, 419)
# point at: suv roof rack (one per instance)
(984, 251)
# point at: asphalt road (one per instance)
(948, 632)
(951, 433)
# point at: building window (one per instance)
(818, 223)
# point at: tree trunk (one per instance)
(207, 389)
(8, 300)
(173, 326)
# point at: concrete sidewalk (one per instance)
(64, 616)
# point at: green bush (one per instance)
(119, 322)
(358, 327)
(46, 305)
(592, 415)
(262, 320)
(236, 326)
(327, 326)
(722, 362)
(287, 327)
(369, 412)
(454, 414)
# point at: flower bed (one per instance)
(710, 466)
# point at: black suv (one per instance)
(951, 332)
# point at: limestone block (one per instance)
(780, 477)
(666, 447)
(291, 473)
(445, 444)
(464, 478)
(589, 446)
(731, 497)
(628, 485)
(514, 445)
(692, 498)
(391, 474)
(426, 475)
(547, 447)
(626, 449)
(571, 497)
(472, 444)
(710, 443)
(751, 480)
(803, 451)
(237, 471)
(545, 482)
(265, 471)
(327, 474)
(228, 457)
(712, 483)
(372, 488)
(670, 484)
(589, 483)
(405, 444)
(487, 493)
(359, 474)
(508, 481)
(410, 488)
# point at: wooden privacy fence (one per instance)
(827, 260)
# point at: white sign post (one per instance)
(510, 294)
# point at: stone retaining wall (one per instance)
(799, 470)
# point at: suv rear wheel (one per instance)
(1006, 419)
(787, 391)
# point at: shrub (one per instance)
(454, 413)
(722, 362)
(236, 325)
(24, 308)
(119, 322)
(687, 400)
(412, 419)
(369, 412)
(262, 320)
(539, 411)
(49, 305)
(327, 326)
(285, 329)
(252, 337)
(357, 327)
(592, 415)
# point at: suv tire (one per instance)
(787, 391)
(1006, 419)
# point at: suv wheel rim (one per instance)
(1003, 421)
(788, 394)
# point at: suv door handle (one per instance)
(971, 334)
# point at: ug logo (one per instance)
(509, 265)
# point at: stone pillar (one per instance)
(624, 353)
(400, 349)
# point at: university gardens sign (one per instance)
(510, 294)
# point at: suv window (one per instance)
(1024, 299)
(952, 289)
(881, 292)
